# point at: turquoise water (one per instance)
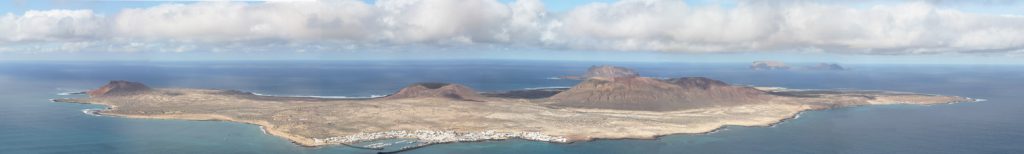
(29, 123)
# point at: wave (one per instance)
(70, 91)
(92, 112)
(330, 97)
(724, 128)
(553, 78)
(797, 116)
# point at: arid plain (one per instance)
(442, 113)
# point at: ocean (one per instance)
(30, 123)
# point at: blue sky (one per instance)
(632, 30)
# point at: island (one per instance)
(768, 65)
(777, 65)
(609, 103)
(827, 66)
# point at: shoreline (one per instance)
(265, 127)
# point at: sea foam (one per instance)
(70, 91)
(92, 112)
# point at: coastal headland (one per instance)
(609, 103)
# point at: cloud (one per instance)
(906, 28)
(628, 25)
(347, 21)
(444, 20)
(224, 21)
(664, 26)
(52, 25)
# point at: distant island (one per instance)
(827, 66)
(768, 65)
(778, 65)
(609, 103)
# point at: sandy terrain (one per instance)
(316, 122)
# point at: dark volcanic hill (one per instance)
(642, 93)
(439, 90)
(118, 87)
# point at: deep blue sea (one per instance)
(29, 123)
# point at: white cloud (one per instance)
(629, 25)
(224, 21)
(665, 25)
(443, 20)
(387, 21)
(52, 25)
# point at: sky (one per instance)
(938, 31)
